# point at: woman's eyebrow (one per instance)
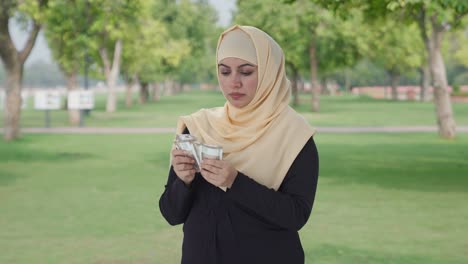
(246, 64)
(240, 66)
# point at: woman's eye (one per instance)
(246, 73)
(225, 73)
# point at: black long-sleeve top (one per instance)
(249, 223)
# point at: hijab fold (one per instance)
(263, 138)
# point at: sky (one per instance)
(41, 50)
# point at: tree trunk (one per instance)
(294, 85)
(425, 67)
(178, 87)
(144, 93)
(394, 81)
(111, 74)
(128, 94)
(443, 104)
(156, 91)
(13, 61)
(313, 78)
(169, 87)
(131, 82)
(425, 81)
(73, 114)
(323, 87)
(300, 85)
(12, 111)
(347, 81)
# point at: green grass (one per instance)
(353, 110)
(382, 198)
(345, 110)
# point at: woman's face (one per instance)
(238, 79)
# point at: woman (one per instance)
(249, 206)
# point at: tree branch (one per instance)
(105, 61)
(421, 19)
(7, 47)
(117, 54)
(459, 17)
(23, 54)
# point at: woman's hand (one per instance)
(184, 165)
(220, 173)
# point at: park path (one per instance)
(158, 130)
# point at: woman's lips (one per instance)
(236, 96)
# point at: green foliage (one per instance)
(455, 48)
(148, 46)
(281, 22)
(397, 49)
(77, 29)
(296, 25)
(192, 23)
(367, 73)
(112, 20)
(461, 79)
(67, 33)
(32, 9)
(446, 12)
(341, 43)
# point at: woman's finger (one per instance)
(214, 163)
(179, 152)
(185, 166)
(182, 160)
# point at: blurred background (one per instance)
(90, 93)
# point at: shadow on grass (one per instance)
(359, 104)
(327, 253)
(21, 151)
(8, 177)
(420, 167)
(26, 155)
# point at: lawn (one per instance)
(348, 110)
(382, 198)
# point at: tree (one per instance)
(193, 22)
(281, 22)
(31, 13)
(434, 18)
(395, 48)
(198, 21)
(152, 49)
(442, 15)
(304, 28)
(66, 32)
(110, 20)
(455, 53)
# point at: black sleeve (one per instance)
(291, 205)
(176, 200)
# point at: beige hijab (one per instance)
(263, 138)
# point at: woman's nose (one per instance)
(236, 80)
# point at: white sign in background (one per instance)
(81, 99)
(47, 100)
